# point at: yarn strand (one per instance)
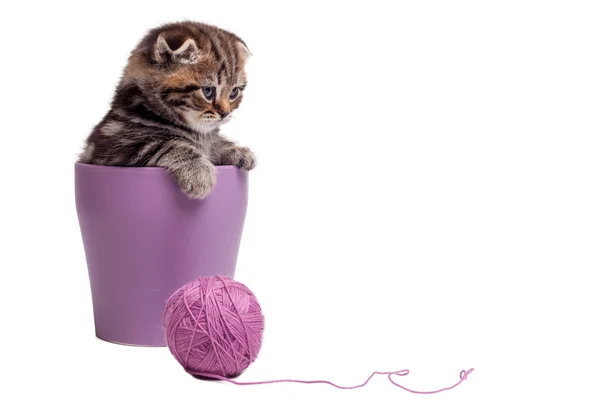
(403, 372)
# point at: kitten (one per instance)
(182, 82)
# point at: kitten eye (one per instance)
(234, 93)
(208, 92)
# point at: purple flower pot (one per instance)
(144, 238)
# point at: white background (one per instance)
(427, 196)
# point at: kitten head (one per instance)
(190, 72)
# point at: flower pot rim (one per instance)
(120, 168)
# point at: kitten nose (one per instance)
(222, 113)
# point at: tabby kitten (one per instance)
(182, 82)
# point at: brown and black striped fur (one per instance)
(164, 112)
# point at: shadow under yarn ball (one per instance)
(214, 327)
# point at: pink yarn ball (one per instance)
(214, 327)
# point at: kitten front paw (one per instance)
(197, 178)
(241, 157)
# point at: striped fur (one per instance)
(182, 82)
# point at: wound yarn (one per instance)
(214, 328)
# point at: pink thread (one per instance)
(214, 328)
(403, 372)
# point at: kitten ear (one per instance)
(243, 50)
(186, 53)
